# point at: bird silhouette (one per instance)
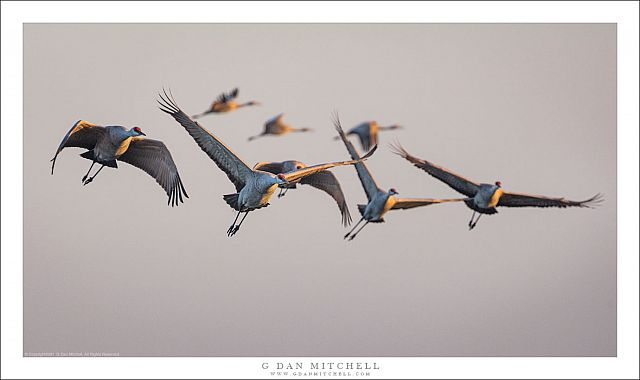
(226, 103)
(106, 145)
(367, 133)
(484, 197)
(276, 126)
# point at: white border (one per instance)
(14, 14)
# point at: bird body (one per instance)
(367, 133)
(322, 180)
(277, 127)
(487, 197)
(254, 188)
(226, 103)
(379, 201)
(107, 144)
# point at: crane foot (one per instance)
(87, 181)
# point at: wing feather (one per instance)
(154, 158)
(528, 200)
(82, 134)
(327, 182)
(223, 156)
(405, 203)
(455, 181)
(368, 183)
(271, 167)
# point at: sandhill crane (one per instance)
(367, 133)
(484, 197)
(323, 180)
(379, 201)
(110, 143)
(225, 103)
(254, 188)
(276, 126)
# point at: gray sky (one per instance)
(110, 268)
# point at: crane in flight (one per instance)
(106, 145)
(277, 127)
(322, 180)
(226, 103)
(367, 133)
(485, 197)
(379, 201)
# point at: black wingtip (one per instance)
(370, 153)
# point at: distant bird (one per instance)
(276, 126)
(254, 188)
(367, 132)
(323, 180)
(110, 143)
(484, 198)
(379, 201)
(226, 103)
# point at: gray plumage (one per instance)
(323, 180)
(108, 144)
(484, 197)
(254, 188)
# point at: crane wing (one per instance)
(368, 183)
(83, 134)
(271, 167)
(226, 96)
(455, 181)
(405, 203)
(295, 175)
(154, 158)
(223, 156)
(327, 182)
(528, 200)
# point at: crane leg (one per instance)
(472, 225)
(354, 227)
(88, 171)
(357, 232)
(233, 224)
(237, 227)
(88, 180)
(283, 192)
(471, 221)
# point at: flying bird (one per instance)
(323, 180)
(106, 145)
(379, 201)
(367, 133)
(484, 197)
(226, 103)
(254, 188)
(276, 126)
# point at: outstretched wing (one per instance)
(327, 182)
(225, 97)
(368, 183)
(405, 203)
(295, 175)
(455, 181)
(153, 157)
(83, 134)
(223, 156)
(363, 131)
(271, 167)
(527, 200)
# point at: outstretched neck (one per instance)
(248, 104)
(302, 129)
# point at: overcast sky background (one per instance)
(110, 268)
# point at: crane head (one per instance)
(281, 179)
(393, 191)
(137, 131)
(498, 183)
